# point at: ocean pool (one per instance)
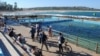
(83, 29)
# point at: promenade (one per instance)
(77, 51)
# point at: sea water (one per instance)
(81, 13)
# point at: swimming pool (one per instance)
(82, 29)
(27, 20)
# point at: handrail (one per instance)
(66, 34)
(96, 48)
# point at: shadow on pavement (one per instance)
(52, 44)
(72, 53)
(76, 54)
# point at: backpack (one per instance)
(44, 38)
(62, 39)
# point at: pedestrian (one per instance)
(11, 33)
(28, 49)
(61, 40)
(37, 52)
(15, 37)
(50, 31)
(44, 41)
(21, 39)
(33, 50)
(37, 31)
(32, 31)
(5, 29)
(40, 35)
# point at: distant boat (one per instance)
(94, 14)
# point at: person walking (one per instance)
(32, 33)
(44, 41)
(5, 29)
(40, 35)
(37, 31)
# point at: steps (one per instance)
(9, 47)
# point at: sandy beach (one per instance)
(34, 11)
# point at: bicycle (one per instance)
(67, 48)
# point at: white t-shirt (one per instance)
(59, 38)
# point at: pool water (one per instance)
(78, 28)
(27, 20)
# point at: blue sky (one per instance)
(47, 3)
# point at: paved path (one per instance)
(77, 51)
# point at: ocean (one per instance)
(90, 14)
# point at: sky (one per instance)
(57, 3)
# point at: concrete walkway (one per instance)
(77, 51)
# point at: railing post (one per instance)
(77, 41)
(96, 48)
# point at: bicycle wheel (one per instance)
(68, 48)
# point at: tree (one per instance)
(5, 6)
(15, 6)
(9, 7)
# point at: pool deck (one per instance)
(77, 51)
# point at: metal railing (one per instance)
(85, 43)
